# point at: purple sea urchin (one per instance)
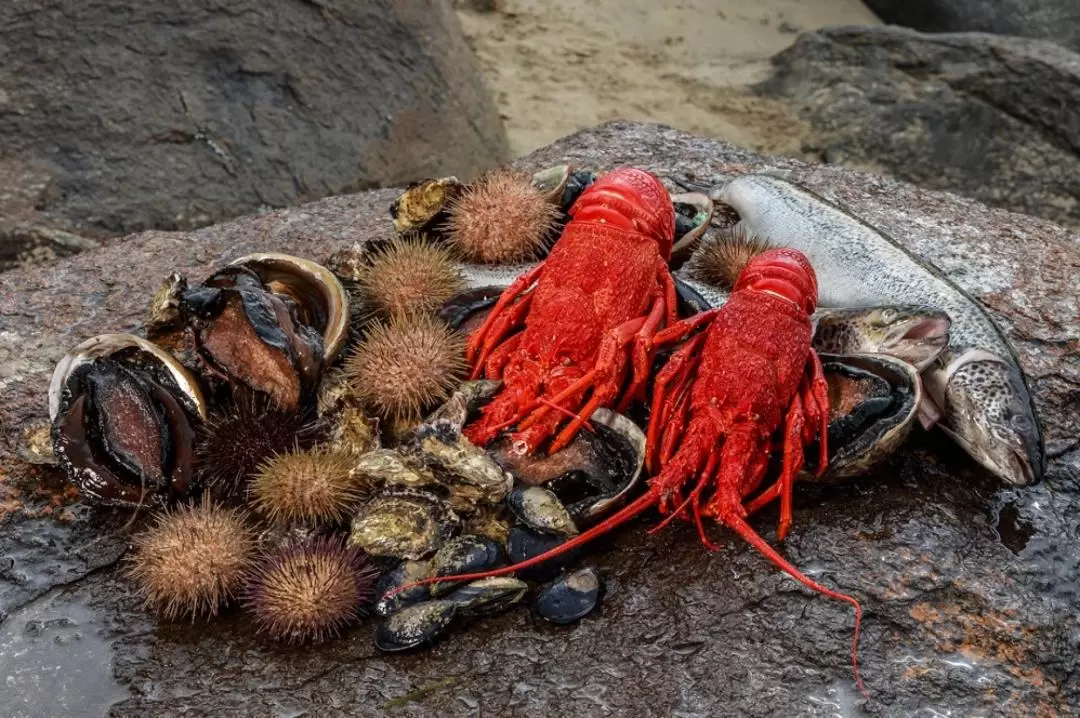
(307, 487)
(500, 218)
(402, 368)
(309, 591)
(193, 559)
(407, 277)
(233, 445)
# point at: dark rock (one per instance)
(125, 116)
(969, 589)
(1054, 20)
(993, 118)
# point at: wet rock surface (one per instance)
(970, 590)
(1054, 20)
(988, 117)
(117, 118)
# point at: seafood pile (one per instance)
(424, 427)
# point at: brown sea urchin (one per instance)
(309, 591)
(719, 262)
(307, 487)
(500, 218)
(232, 445)
(192, 560)
(402, 368)
(408, 276)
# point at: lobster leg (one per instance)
(497, 361)
(519, 285)
(680, 329)
(643, 355)
(509, 320)
(675, 375)
(818, 409)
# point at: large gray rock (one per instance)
(117, 117)
(993, 118)
(1054, 20)
(970, 590)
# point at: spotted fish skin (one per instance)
(977, 384)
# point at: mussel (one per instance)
(269, 323)
(693, 214)
(123, 415)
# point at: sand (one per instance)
(556, 66)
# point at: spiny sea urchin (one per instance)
(408, 276)
(193, 559)
(307, 487)
(720, 262)
(309, 591)
(232, 445)
(500, 218)
(402, 368)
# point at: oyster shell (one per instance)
(403, 523)
(422, 206)
(123, 416)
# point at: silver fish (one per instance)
(976, 385)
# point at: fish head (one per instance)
(988, 411)
(915, 334)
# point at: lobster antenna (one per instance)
(739, 526)
(643, 502)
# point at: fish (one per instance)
(978, 394)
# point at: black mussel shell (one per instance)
(570, 597)
(415, 626)
(405, 573)
(523, 544)
(488, 596)
(541, 510)
(463, 555)
(693, 213)
(578, 182)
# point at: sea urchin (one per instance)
(309, 591)
(407, 277)
(500, 218)
(307, 487)
(404, 367)
(192, 560)
(720, 262)
(232, 446)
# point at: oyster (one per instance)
(268, 322)
(403, 523)
(471, 473)
(422, 206)
(873, 403)
(123, 415)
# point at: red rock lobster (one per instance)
(717, 404)
(587, 310)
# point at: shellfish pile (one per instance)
(296, 428)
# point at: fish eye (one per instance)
(1020, 422)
